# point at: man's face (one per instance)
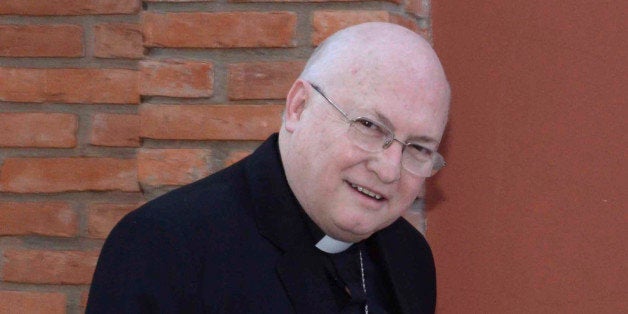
(332, 177)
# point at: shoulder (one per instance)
(208, 202)
(410, 265)
(404, 231)
(403, 241)
(161, 252)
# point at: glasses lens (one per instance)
(373, 137)
(416, 164)
(420, 166)
(368, 135)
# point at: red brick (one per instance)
(32, 302)
(236, 156)
(159, 167)
(41, 41)
(96, 85)
(115, 130)
(176, 78)
(38, 129)
(262, 80)
(116, 86)
(118, 40)
(326, 23)
(49, 267)
(23, 84)
(210, 122)
(102, 217)
(420, 8)
(42, 218)
(220, 30)
(69, 7)
(49, 175)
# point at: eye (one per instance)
(420, 152)
(367, 124)
(369, 127)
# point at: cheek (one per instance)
(409, 189)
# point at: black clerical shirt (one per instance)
(344, 272)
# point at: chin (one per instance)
(353, 233)
(351, 237)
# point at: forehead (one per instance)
(411, 114)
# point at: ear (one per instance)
(296, 102)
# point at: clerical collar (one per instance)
(330, 245)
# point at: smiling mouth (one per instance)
(367, 192)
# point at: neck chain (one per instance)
(366, 306)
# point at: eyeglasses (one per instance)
(375, 137)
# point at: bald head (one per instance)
(376, 56)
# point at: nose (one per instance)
(387, 163)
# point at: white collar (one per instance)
(330, 245)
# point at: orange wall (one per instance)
(530, 214)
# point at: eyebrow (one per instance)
(380, 117)
(412, 139)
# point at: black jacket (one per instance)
(235, 242)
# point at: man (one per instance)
(310, 222)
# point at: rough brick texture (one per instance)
(32, 302)
(220, 30)
(49, 175)
(236, 156)
(41, 218)
(117, 86)
(262, 80)
(41, 41)
(326, 23)
(176, 78)
(102, 217)
(115, 130)
(68, 7)
(158, 167)
(38, 129)
(106, 104)
(49, 267)
(207, 122)
(123, 40)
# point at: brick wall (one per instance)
(105, 104)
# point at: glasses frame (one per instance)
(437, 159)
